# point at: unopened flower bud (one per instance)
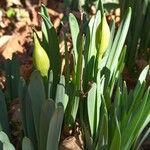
(40, 57)
(102, 37)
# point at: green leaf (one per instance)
(87, 137)
(27, 144)
(139, 90)
(117, 103)
(99, 93)
(8, 146)
(50, 84)
(91, 104)
(52, 48)
(13, 77)
(44, 12)
(90, 49)
(29, 124)
(47, 112)
(116, 141)
(128, 134)
(136, 29)
(37, 95)
(22, 95)
(76, 84)
(1, 145)
(92, 26)
(74, 27)
(143, 139)
(3, 114)
(118, 43)
(145, 117)
(143, 74)
(8, 78)
(3, 137)
(123, 104)
(53, 51)
(67, 68)
(103, 127)
(100, 6)
(55, 128)
(61, 96)
(121, 60)
(5, 140)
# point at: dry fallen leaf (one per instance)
(70, 143)
(3, 42)
(16, 42)
(13, 2)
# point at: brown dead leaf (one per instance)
(16, 42)
(13, 2)
(3, 42)
(70, 143)
(34, 16)
(71, 139)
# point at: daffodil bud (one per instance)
(40, 57)
(102, 37)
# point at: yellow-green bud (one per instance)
(40, 57)
(102, 37)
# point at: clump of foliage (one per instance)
(111, 116)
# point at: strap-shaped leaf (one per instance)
(90, 48)
(5, 142)
(116, 141)
(92, 26)
(3, 137)
(15, 76)
(55, 129)
(119, 42)
(1, 145)
(74, 27)
(47, 112)
(3, 114)
(44, 12)
(29, 119)
(37, 95)
(67, 67)
(61, 96)
(23, 89)
(91, 104)
(102, 134)
(12, 76)
(146, 134)
(50, 84)
(123, 103)
(99, 93)
(27, 144)
(53, 51)
(136, 28)
(143, 74)
(145, 118)
(8, 146)
(128, 135)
